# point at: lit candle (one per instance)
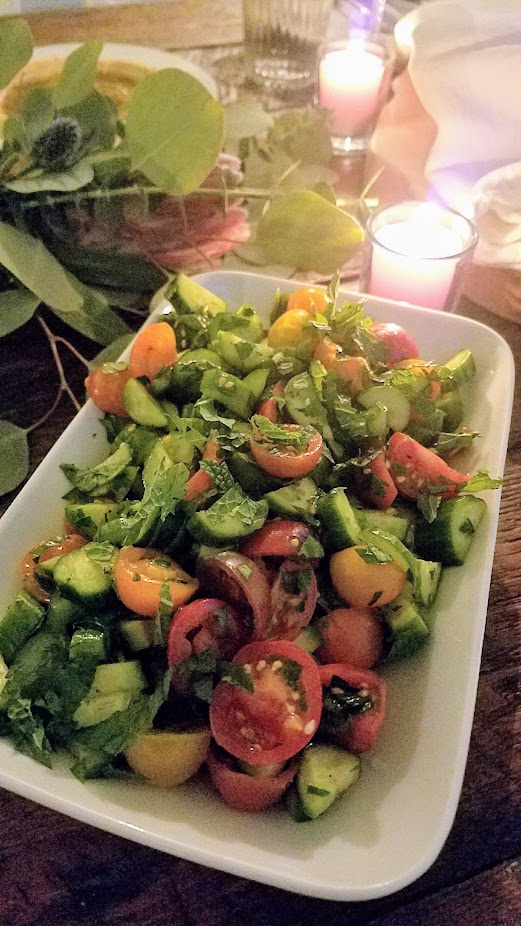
(415, 253)
(349, 85)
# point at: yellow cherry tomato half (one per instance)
(310, 298)
(140, 573)
(365, 584)
(289, 330)
(166, 758)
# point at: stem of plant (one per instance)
(63, 387)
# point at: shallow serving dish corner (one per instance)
(390, 828)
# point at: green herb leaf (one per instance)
(302, 229)
(178, 150)
(480, 482)
(14, 456)
(371, 554)
(16, 48)
(96, 480)
(428, 505)
(77, 78)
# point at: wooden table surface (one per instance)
(55, 871)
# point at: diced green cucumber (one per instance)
(426, 579)
(241, 355)
(89, 643)
(86, 576)
(231, 517)
(388, 520)
(396, 404)
(157, 459)
(407, 626)
(325, 772)
(338, 520)
(142, 407)
(449, 537)
(230, 391)
(189, 296)
(45, 568)
(451, 404)
(117, 676)
(297, 500)
(183, 380)
(461, 367)
(91, 711)
(138, 634)
(309, 639)
(89, 517)
(62, 613)
(255, 482)
(256, 382)
(21, 619)
(261, 771)
(322, 472)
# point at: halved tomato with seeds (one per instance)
(416, 470)
(280, 712)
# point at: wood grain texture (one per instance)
(165, 24)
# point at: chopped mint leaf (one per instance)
(481, 481)
(428, 505)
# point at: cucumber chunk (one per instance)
(339, 522)
(189, 296)
(297, 500)
(85, 574)
(449, 537)
(231, 517)
(324, 773)
(309, 639)
(390, 521)
(408, 628)
(137, 634)
(243, 356)
(21, 619)
(142, 407)
(229, 391)
(89, 517)
(91, 711)
(396, 404)
(461, 367)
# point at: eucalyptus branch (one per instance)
(64, 386)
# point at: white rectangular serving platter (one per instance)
(391, 826)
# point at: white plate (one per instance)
(403, 31)
(389, 829)
(150, 57)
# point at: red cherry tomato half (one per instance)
(270, 407)
(239, 580)
(400, 343)
(206, 623)
(153, 349)
(284, 460)
(351, 635)
(415, 469)
(106, 385)
(360, 730)
(201, 481)
(294, 596)
(280, 716)
(247, 792)
(376, 486)
(276, 538)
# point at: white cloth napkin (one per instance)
(465, 66)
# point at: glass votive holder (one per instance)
(417, 252)
(354, 77)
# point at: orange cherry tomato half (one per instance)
(365, 584)
(310, 298)
(51, 548)
(284, 460)
(270, 407)
(352, 370)
(153, 349)
(422, 369)
(140, 573)
(106, 385)
(201, 481)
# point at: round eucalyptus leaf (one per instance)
(77, 77)
(304, 230)
(65, 181)
(32, 264)
(17, 306)
(174, 131)
(14, 456)
(16, 48)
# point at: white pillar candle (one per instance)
(414, 261)
(349, 84)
